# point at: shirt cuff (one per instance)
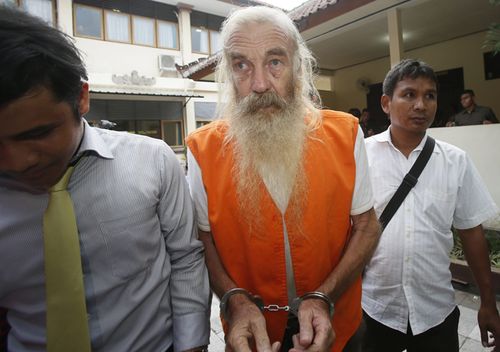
(191, 330)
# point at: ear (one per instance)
(84, 99)
(385, 102)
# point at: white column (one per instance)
(185, 32)
(190, 116)
(395, 35)
(64, 16)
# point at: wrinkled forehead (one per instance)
(258, 37)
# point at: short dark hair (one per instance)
(407, 68)
(36, 55)
(354, 112)
(468, 91)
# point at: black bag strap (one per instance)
(409, 181)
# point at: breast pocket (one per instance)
(439, 208)
(132, 242)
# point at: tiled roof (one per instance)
(198, 65)
(309, 7)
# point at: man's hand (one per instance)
(489, 323)
(247, 327)
(316, 332)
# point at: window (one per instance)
(8, 2)
(205, 112)
(201, 123)
(39, 8)
(199, 40)
(205, 41)
(215, 42)
(157, 119)
(144, 30)
(172, 133)
(150, 128)
(117, 26)
(88, 22)
(167, 35)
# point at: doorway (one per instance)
(450, 86)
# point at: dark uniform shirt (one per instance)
(475, 117)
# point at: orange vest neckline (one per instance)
(256, 262)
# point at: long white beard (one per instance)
(269, 145)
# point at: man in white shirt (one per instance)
(408, 299)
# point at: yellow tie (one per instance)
(67, 325)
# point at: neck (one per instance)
(406, 142)
(470, 108)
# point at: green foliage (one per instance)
(492, 238)
(492, 39)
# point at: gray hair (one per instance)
(304, 63)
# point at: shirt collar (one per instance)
(92, 143)
(385, 137)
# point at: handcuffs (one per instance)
(257, 300)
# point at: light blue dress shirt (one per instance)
(146, 283)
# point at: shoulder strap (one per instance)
(409, 181)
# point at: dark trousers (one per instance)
(441, 338)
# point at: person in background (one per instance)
(473, 114)
(408, 299)
(282, 194)
(354, 112)
(366, 124)
(140, 279)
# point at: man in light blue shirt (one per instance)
(145, 281)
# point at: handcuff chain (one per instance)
(275, 308)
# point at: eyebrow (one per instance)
(270, 52)
(276, 52)
(237, 56)
(36, 130)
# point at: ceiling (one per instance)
(362, 35)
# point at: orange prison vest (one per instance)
(256, 261)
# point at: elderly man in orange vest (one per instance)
(282, 193)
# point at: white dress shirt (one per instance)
(408, 277)
(146, 283)
(362, 199)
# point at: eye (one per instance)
(240, 66)
(409, 94)
(431, 96)
(38, 133)
(275, 62)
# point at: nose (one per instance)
(15, 159)
(260, 81)
(419, 103)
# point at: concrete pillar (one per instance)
(395, 35)
(185, 32)
(64, 16)
(190, 116)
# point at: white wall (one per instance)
(119, 58)
(482, 144)
(465, 52)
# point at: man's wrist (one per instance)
(315, 295)
(224, 302)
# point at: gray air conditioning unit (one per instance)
(166, 64)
